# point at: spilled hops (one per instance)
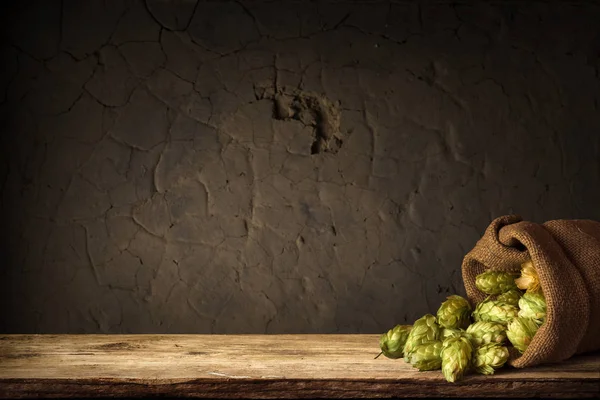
(460, 340)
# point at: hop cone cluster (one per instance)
(425, 329)
(495, 311)
(392, 342)
(452, 342)
(456, 357)
(489, 357)
(529, 278)
(511, 297)
(533, 305)
(426, 356)
(454, 313)
(520, 332)
(484, 332)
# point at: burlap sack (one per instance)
(566, 255)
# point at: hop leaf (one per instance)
(529, 279)
(495, 282)
(520, 332)
(426, 356)
(495, 311)
(425, 329)
(533, 305)
(484, 332)
(392, 342)
(456, 357)
(511, 297)
(454, 313)
(489, 357)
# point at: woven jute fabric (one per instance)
(566, 255)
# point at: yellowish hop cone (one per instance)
(529, 279)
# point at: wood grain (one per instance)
(255, 366)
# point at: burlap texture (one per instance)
(566, 255)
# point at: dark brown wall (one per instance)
(182, 166)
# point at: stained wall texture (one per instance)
(237, 167)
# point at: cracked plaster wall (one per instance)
(182, 166)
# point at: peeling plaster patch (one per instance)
(311, 109)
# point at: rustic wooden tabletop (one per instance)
(255, 366)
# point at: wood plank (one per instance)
(255, 366)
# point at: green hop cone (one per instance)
(495, 311)
(392, 342)
(456, 357)
(496, 282)
(533, 305)
(520, 332)
(511, 297)
(454, 313)
(445, 333)
(484, 332)
(425, 329)
(426, 356)
(489, 357)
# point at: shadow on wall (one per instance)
(247, 167)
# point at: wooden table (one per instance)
(255, 366)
